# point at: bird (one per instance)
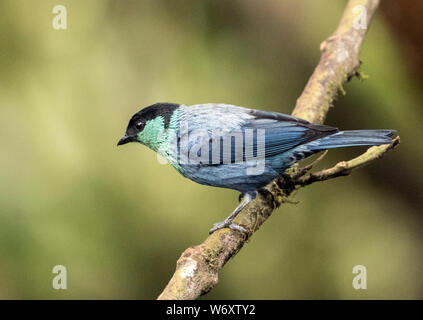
(228, 146)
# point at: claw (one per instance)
(237, 227)
(227, 224)
(217, 226)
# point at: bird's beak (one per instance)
(125, 139)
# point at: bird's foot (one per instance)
(227, 224)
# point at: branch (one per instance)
(338, 63)
(198, 267)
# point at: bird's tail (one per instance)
(353, 138)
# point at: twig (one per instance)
(198, 267)
(307, 168)
(344, 168)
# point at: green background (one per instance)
(118, 220)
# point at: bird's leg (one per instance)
(227, 223)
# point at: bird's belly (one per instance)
(237, 176)
(232, 176)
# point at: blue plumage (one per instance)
(287, 140)
(234, 147)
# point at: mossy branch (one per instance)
(198, 267)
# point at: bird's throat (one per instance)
(153, 134)
(160, 138)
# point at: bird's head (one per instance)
(147, 124)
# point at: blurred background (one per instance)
(118, 220)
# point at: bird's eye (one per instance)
(139, 125)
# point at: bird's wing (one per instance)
(282, 132)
